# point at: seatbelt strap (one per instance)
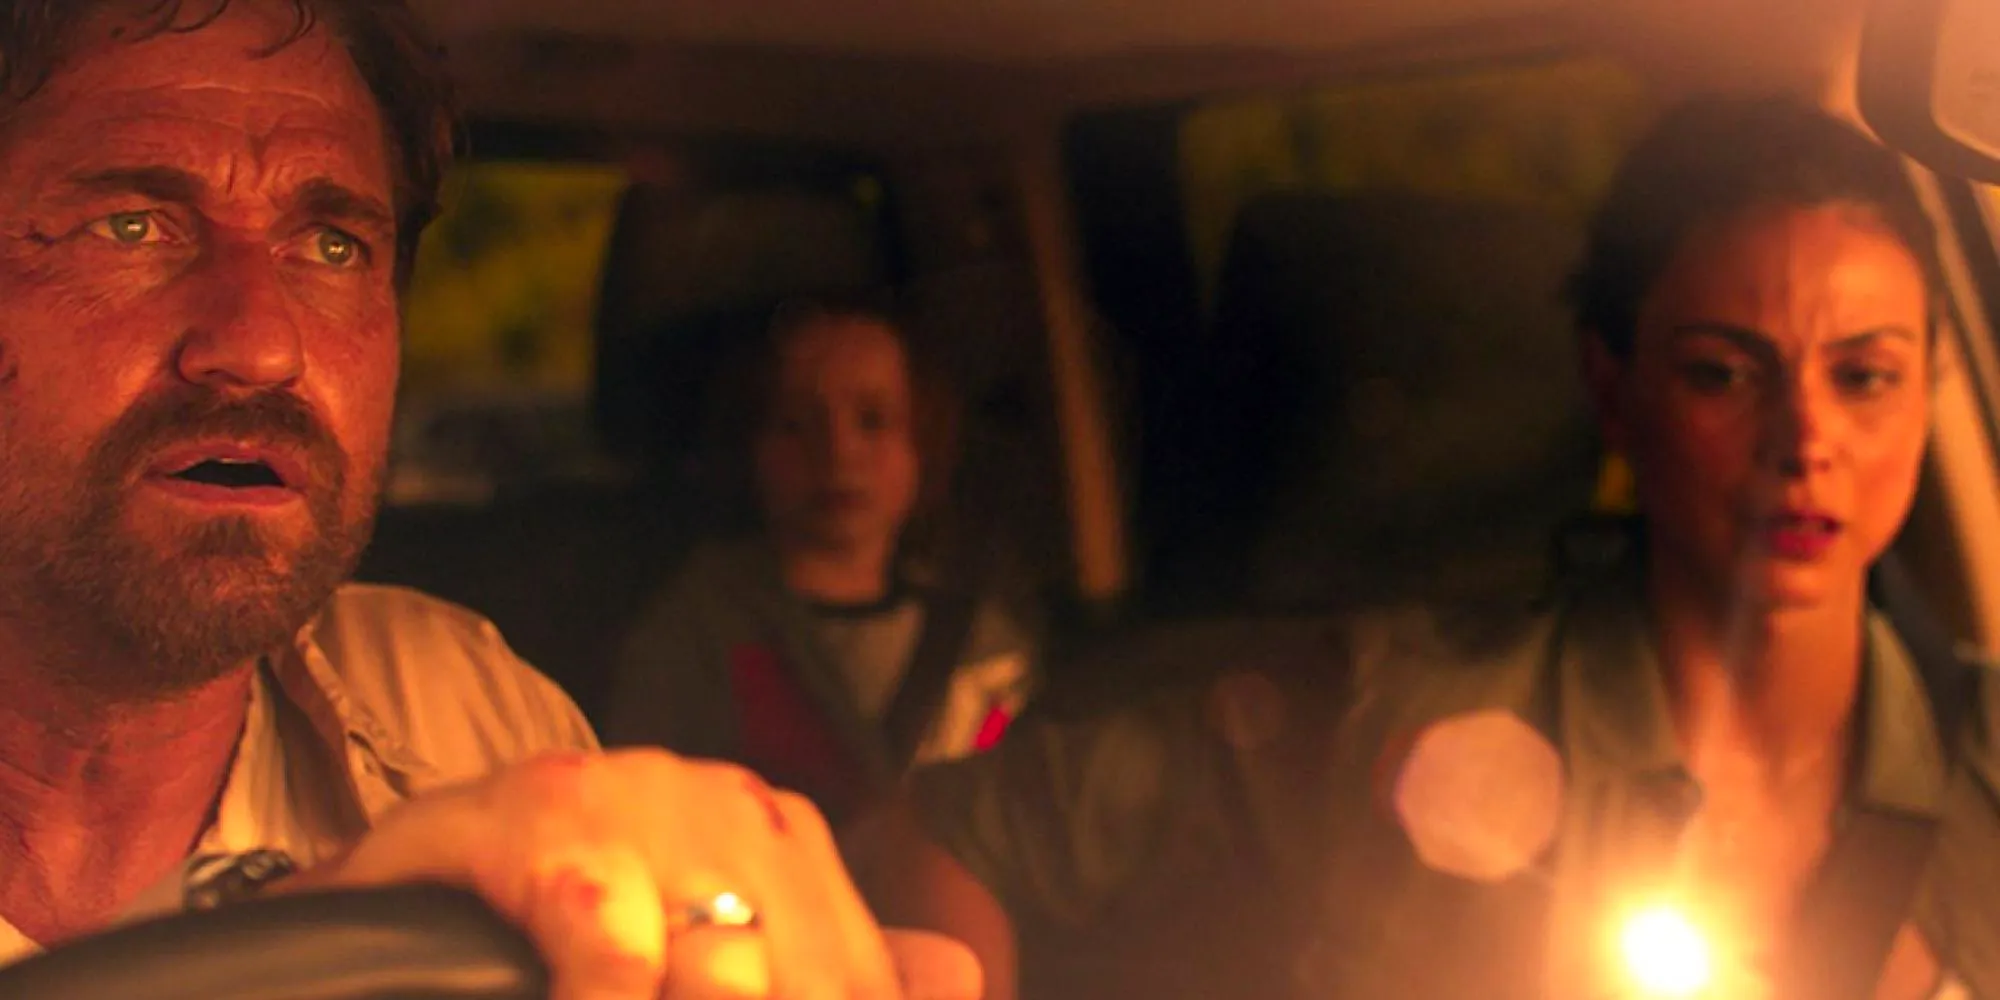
(1849, 918)
(950, 606)
(941, 644)
(1948, 679)
(1862, 897)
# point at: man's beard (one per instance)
(170, 609)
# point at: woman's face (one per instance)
(836, 456)
(1775, 403)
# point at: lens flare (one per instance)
(1666, 955)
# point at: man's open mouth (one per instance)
(231, 473)
(252, 472)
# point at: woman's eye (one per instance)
(335, 248)
(1866, 380)
(1716, 377)
(130, 228)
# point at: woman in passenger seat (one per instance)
(795, 650)
(1713, 770)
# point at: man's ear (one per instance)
(1604, 379)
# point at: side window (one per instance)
(1987, 197)
(1356, 380)
(1974, 218)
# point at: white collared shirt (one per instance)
(387, 693)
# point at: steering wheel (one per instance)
(421, 942)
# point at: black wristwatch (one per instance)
(214, 880)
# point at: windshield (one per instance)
(1461, 498)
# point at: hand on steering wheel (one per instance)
(642, 875)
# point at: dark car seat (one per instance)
(564, 568)
(1391, 411)
(1424, 428)
(561, 570)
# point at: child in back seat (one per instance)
(784, 650)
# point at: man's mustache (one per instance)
(274, 418)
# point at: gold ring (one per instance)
(725, 910)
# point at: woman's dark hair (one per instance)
(401, 65)
(1713, 159)
(741, 397)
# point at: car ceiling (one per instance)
(941, 71)
(994, 31)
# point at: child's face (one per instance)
(836, 459)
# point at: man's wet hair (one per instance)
(401, 64)
(1713, 159)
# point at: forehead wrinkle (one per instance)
(231, 159)
(148, 94)
(262, 128)
(224, 74)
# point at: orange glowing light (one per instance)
(1666, 955)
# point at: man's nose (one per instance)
(245, 332)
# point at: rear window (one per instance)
(497, 353)
(1544, 136)
(1355, 378)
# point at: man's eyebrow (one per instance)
(157, 183)
(321, 198)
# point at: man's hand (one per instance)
(598, 858)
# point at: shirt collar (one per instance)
(364, 753)
(1903, 762)
(1612, 708)
(1615, 722)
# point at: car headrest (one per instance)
(1438, 429)
(689, 274)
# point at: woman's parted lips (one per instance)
(1803, 519)
(1798, 534)
(1793, 510)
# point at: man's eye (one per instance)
(129, 228)
(338, 249)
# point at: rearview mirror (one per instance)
(1930, 82)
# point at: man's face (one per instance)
(198, 342)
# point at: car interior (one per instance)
(1253, 307)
